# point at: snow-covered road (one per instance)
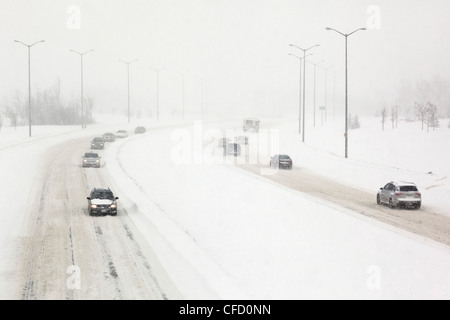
(69, 255)
(202, 231)
(422, 222)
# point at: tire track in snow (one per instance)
(421, 222)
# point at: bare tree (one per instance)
(421, 112)
(383, 117)
(393, 111)
(432, 120)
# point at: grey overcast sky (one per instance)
(239, 47)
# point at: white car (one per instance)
(400, 193)
(121, 134)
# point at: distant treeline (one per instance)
(47, 108)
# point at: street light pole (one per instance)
(128, 83)
(157, 90)
(304, 80)
(82, 97)
(300, 92)
(29, 81)
(346, 35)
(300, 95)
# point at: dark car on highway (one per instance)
(139, 129)
(233, 149)
(109, 137)
(281, 161)
(101, 201)
(97, 143)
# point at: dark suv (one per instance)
(102, 201)
(281, 161)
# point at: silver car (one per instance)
(400, 193)
(91, 159)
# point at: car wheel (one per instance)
(378, 199)
(417, 206)
(391, 203)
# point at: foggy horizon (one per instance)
(240, 50)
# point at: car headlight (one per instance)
(93, 206)
(84, 160)
(97, 160)
(113, 206)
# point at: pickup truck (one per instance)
(90, 159)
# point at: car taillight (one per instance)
(418, 194)
(398, 194)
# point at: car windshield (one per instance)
(408, 188)
(91, 155)
(284, 157)
(98, 140)
(103, 195)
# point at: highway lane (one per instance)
(422, 222)
(68, 254)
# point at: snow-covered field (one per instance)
(216, 228)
